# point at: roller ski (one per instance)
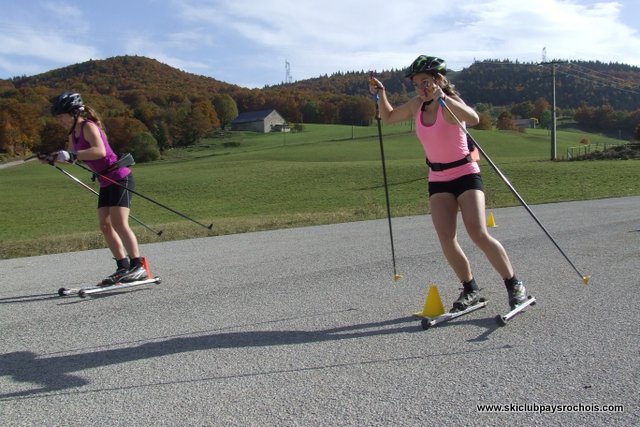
(99, 289)
(121, 279)
(467, 302)
(519, 302)
(427, 322)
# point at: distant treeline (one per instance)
(148, 106)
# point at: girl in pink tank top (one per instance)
(455, 183)
(444, 143)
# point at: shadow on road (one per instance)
(55, 373)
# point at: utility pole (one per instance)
(554, 141)
(553, 112)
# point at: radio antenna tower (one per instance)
(287, 68)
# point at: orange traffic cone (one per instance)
(145, 264)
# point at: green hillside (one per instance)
(325, 174)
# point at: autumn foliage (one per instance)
(149, 107)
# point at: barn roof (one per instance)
(252, 116)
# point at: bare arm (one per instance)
(462, 111)
(388, 113)
(96, 148)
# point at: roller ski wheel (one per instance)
(427, 322)
(501, 320)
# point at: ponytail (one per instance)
(91, 114)
(448, 88)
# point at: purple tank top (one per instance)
(102, 165)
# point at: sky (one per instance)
(250, 42)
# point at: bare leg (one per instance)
(110, 235)
(444, 213)
(472, 204)
(120, 223)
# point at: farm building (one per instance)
(260, 121)
(531, 123)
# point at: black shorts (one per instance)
(115, 195)
(458, 185)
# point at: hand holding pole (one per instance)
(374, 87)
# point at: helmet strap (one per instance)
(76, 114)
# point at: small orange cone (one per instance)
(491, 222)
(433, 304)
(145, 264)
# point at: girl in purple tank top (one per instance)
(88, 143)
(454, 176)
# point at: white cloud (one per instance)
(247, 42)
(27, 42)
(68, 12)
(331, 36)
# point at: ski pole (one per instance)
(82, 184)
(209, 227)
(396, 276)
(585, 279)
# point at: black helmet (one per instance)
(427, 64)
(67, 103)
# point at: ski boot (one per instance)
(466, 300)
(114, 278)
(135, 274)
(517, 294)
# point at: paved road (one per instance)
(305, 327)
(10, 164)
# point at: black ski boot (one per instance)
(122, 268)
(137, 272)
(466, 300)
(114, 278)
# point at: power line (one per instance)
(601, 79)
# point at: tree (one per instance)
(144, 148)
(197, 123)
(605, 117)
(356, 111)
(311, 112)
(8, 132)
(18, 128)
(52, 137)
(226, 108)
(485, 122)
(505, 122)
(161, 135)
(540, 106)
(121, 131)
(481, 107)
(546, 119)
(524, 110)
(329, 112)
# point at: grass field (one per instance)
(245, 182)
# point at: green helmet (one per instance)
(427, 64)
(67, 103)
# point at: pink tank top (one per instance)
(444, 142)
(102, 165)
